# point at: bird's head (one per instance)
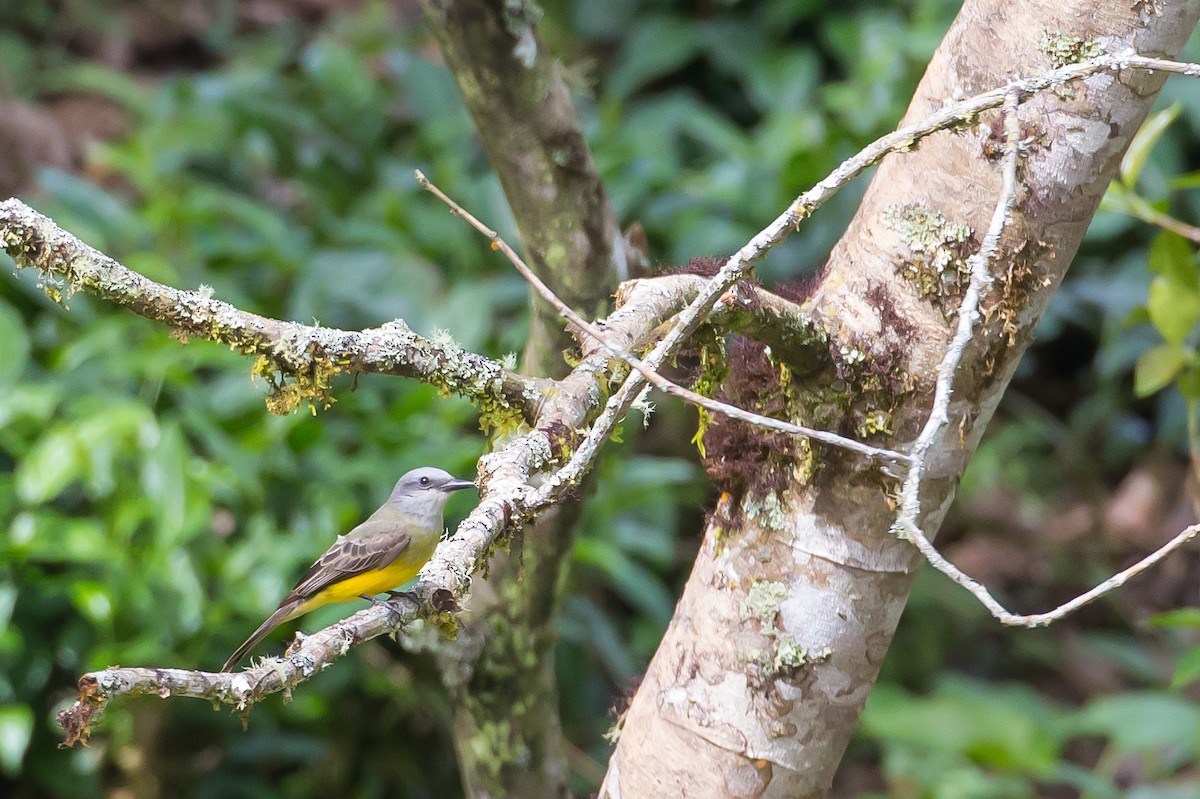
(426, 489)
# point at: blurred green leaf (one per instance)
(1181, 617)
(1117, 199)
(975, 720)
(14, 345)
(1189, 383)
(1141, 721)
(1143, 143)
(17, 64)
(1157, 368)
(92, 78)
(1172, 257)
(16, 730)
(655, 47)
(1187, 670)
(53, 463)
(1173, 309)
(92, 599)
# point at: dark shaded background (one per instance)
(152, 512)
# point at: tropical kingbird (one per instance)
(382, 553)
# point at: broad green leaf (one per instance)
(1157, 368)
(1140, 721)
(1181, 617)
(16, 728)
(1143, 143)
(1173, 309)
(1187, 670)
(93, 600)
(14, 345)
(49, 467)
(1171, 257)
(1189, 383)
(656, 47)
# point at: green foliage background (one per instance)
(152, 512)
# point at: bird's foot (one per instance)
(390, 603)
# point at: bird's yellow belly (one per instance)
(369, 583)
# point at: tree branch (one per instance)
(507, 502)
(309, 354)
(651, 375)
(522, 109)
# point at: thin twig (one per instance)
(66, 265)
(1010, 619)
(968, 311)
(907, 523)
(656, 379)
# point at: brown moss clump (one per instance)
(740, 458)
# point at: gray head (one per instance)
(426, 490)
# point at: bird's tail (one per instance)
(282, 614)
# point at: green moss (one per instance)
(714, 369)
(296, 372)
(875, 422)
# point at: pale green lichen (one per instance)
(940, 248)
(1063, 48)
(767, 510)
(784, 656)
(443, 338)
(762, 601)
(789, 655)
(644, 406)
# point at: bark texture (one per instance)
(501, 674)
(764, 671)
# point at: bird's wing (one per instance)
(369, 549)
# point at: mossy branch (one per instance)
(298, 361)
(794, 336)
(507, 503)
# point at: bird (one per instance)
(384, 552)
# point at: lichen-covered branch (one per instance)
(507, 503)
(298, 361)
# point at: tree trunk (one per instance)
(501, 672)
(761, 677)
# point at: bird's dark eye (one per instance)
(424, 481)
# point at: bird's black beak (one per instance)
(456, 485)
